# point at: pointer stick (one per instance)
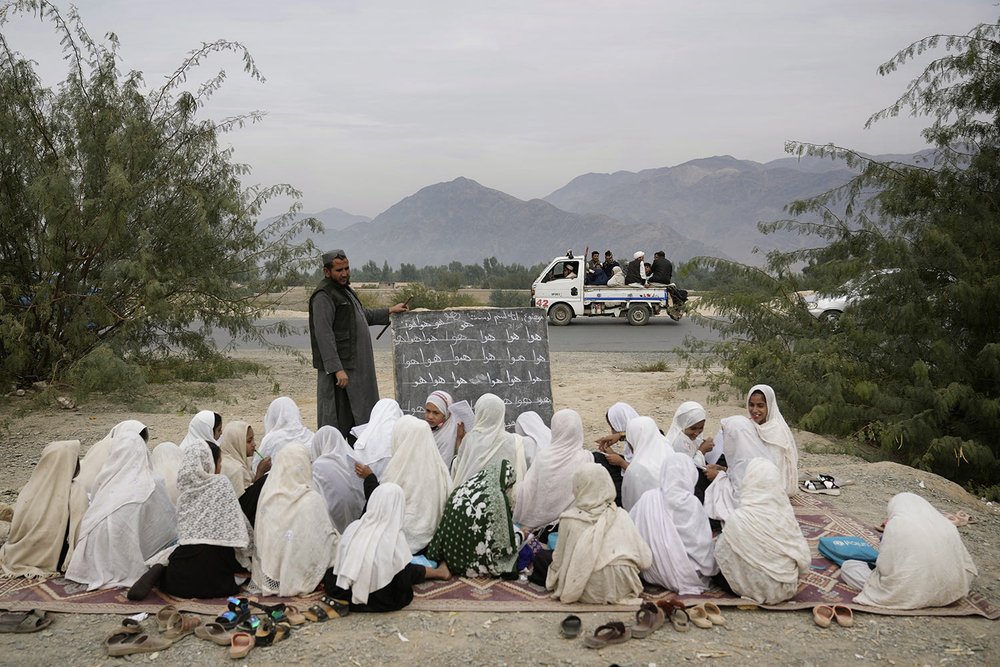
(387, 326)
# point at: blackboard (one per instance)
(471, 352)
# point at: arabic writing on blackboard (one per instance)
(504, 351)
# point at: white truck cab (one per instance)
(560, 291)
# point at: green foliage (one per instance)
(914, 368)
(105, 372)
(491, 274)
(210, 369)
(420, 296)
(505, 298)
(125, 220)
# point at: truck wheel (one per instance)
(638, 314)
(560, 314)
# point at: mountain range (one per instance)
(708, 206)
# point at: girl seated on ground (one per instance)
(488, 443)
(238, 447)
(47, 515)
(129, 519)
(643, 473)
(205, 426)
(373, 568)
(448, 430)
(211, 529)
(476, 536)
(773, 430)
(762, 552)
(294, 540)
(373, 447)
(618, 416)
(93, 460)
(547, 489)
(599, 553)
(743, 444)
(334, 478)
(282, 426)
(674, 524)
(684, 436)
(922, 561)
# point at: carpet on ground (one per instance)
(821, 585)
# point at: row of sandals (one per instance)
(648, 619)
(238, 627)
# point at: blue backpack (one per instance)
(839, 548)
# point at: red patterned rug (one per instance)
(820, 586)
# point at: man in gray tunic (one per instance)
(346, 387)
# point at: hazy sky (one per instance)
(369, 101)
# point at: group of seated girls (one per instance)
(417, 499)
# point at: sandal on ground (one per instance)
(679, 619)
(614, 632)
(130, 626)
(24, 621)
(699, 617)
(214, 632)
(335, 608)
(824, 486)
(838, 482)
(181, 625)
(714, 613)
(823, 615)
(164, 615)
(276, 612)
(270, 633)
(124, 643)
(238, 613)
(570, 627)
(844, 615)
(294, 616)
(240, 645)
(316, 614)
(648, 619)
(960, 519)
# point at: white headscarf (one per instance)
(48, 504)
(334, 478)
(530, 425)
(201, 429)
(778, 438)
(97, 454)
(294, 541)
(374, 445)
(207, 509)
(113, 553)
(922, 561)
(743, 444)
(675, 526)
(617, 278)
(619, 415)
(487, 443)
(763, 530)
(283, 426)
(593, 534)
(651, 450)
(166, 462)
(687, 415)
(235, 464)
(422, 477)
(373, 549)
(445, 434)
(547, 489)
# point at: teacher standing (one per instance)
(346, 387)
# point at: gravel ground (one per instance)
(588, 383)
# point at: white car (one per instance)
(830, 306)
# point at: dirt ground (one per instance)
(588, 383)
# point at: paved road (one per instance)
(592, 334)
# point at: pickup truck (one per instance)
(564, 298)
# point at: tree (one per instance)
(124, 221)
(916, 366)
